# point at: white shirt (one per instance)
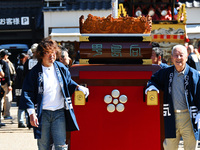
(52, 95)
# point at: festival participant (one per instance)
(181, 86)
(49, 86)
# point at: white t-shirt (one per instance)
(52, 95)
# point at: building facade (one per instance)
(61, 19)
(21, 21)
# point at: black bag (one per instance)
(2, 92)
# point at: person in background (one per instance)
(181, 104)
(18, 89)
(32, 61)
(193, 60)
(1, 94)
(64, 57)
(49, 86)
(186, 44)
(157, 56)
(5, 56)
(6, 85)
(197, 53)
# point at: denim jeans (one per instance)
(21, 113)
(53, 124)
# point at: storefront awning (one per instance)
(193, 31)
(65, 34)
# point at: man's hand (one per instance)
(197, 120)
(84, 90)
(34, 120)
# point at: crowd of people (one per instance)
(43, 86)
(42, 89)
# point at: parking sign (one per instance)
(24, 20)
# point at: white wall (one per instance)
(71, 18)
(68, 18)
(192, 15)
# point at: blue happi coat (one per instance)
(32, 94)
(162, 79)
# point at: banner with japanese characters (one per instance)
(115, 50)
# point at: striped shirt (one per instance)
(178, 91)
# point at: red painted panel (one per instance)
(182, 36)
(162, 36)
(115, 74)
(136, 128)
(155, 36)
(168, 36)
(175, 36)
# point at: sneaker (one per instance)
(2, 124)
(21, 125)
(7, 117)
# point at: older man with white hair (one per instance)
(181, 85)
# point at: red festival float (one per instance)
(117, 115)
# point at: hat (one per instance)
(4, 52)
(22, 55)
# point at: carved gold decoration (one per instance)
(121, 11)
(182, 14)
(94, 24)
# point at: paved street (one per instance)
(14, 138)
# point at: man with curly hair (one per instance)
(49, 86)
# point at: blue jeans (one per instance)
(53, 124)
(21, 113)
